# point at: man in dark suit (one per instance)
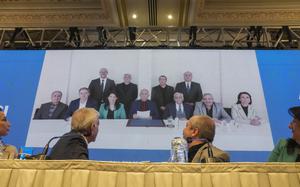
(74, 144)
(178, 109)
(127, 92)
(52, 110)
(142, 106)
(192, 91)
(84, 101)
(162, 94)
(101, 87)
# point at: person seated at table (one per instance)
(111, 108)
(84, 101)
(178, 109)
(243, 111)
(54, 109)
(210, 108)
(74, 144)
(143, 108)
(6, 151)
(199, 133)
(287, 150)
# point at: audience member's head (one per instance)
(56, 97)
(187, 76)
(84, 94)
(144, 94)
(295, 123)
(162, 80)
(208, 100)
(202, 127)
(9, 150)
(244, 98)
(178, 97)
(86, 121)
(127, 78)
(4, 125)
(103, 73)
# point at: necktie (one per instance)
(188, 87)
(102, 85)
(180, 114)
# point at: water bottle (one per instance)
(179, 150)
(170, 122)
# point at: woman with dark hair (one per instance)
(111, 108)
(243, 111)
(6, 151)
(287, 150)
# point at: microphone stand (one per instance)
(43, 155)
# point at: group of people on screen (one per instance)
(120, 101)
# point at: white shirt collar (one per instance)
(177, 107)
(82, 105)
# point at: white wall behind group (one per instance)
(224, 73)
(239, 72)
(204, 64)
(54, 76)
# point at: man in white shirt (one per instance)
(84, 101)
(192, 91)
(101, 87)
(178, 109)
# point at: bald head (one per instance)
(103, 73)
(188, 76)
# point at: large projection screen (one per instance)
(223, 73)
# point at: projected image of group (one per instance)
(120, 101)
(166, 86)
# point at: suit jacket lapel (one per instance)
(241, 111)
(215, 111)
(173, 112)
(203, 108)
(57, 110)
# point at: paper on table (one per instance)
(143, 114)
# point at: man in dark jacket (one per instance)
(54, 109)
(74, 144)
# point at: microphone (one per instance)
(43, 155)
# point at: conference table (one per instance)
(115, 134)
(76, 173)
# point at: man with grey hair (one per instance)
(74, 144)
(192, 91)
(212, 109)
(54, 109)
(127, 92)
(143, 106)
(199, 133)
(178, 109)
(101, 87)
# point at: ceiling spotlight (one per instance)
(134, 16)
(170, 16)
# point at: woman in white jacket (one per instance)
(243, 111)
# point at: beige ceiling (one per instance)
(118, 13)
